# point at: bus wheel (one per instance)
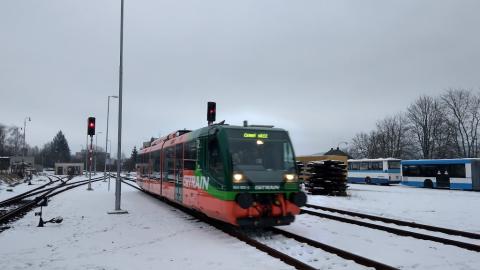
(428, 183)
(368, 180)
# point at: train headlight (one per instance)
(290, 177)
(238, 178)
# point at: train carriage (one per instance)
(244, 176)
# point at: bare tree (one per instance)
(14, 141)
(392, 137)
(463, 112)
(428, 124)
(3, 136)
(363, 145)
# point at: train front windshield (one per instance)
(261, 156)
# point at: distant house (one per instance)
(68, 168)
(332, 154)
(4, 164)
(19, 164)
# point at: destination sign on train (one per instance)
(255, 135)
(258, 134)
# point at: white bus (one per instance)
(462, 173)
(374, 171)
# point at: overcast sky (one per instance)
(323, 70)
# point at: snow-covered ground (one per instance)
(445, 208)
(154, 235)
(6, 191)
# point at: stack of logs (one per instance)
(326, 177)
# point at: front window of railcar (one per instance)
(261, 156)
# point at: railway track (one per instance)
(401, 232)
(239, 234)
(399, 222)
(23, 205)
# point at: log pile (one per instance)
(326, 177)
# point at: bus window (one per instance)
(375, 166)
(456, 170)
(363, 166)
(354, 166)
(394, 164)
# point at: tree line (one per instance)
(57, 150)
(432, 127)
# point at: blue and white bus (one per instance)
(374, 171)
(463, 173)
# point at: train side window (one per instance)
(190, 155)
(156, 164)
(179, 159)
(215, 160)
(169, 163)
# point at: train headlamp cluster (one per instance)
(238, 178)
(290, 177)
(259, 142)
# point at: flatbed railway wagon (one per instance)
(242, 175)
(460, 173)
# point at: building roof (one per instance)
(336, 152)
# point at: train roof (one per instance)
(181, 134)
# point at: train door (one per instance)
(179, 172)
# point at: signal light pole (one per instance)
(90, 132)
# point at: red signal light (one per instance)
(211, 112)
(91, 126)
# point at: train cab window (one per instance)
(215, 160)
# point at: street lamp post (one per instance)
(95, 153)
(106, 141)
(24, 141)
(118, 188)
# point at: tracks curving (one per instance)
(24, 206)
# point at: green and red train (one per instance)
(244, 176)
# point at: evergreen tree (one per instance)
(56, 151)
(133, 159)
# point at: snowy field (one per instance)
(154, 235)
